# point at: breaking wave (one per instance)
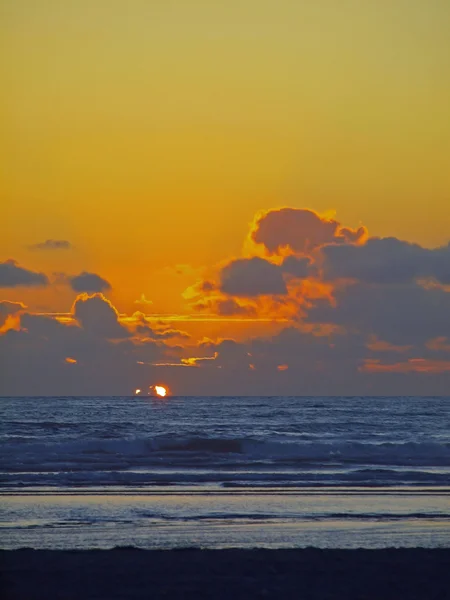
(407, 453)
(228, 461)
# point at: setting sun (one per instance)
(160, 390)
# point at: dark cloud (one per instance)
(225, 307)
(51, 245)
(400, 314)
(89, 282)
(100, 359)
(97, 315)
(297, 267)
(386, 261)
(43, 326)
(252, 277)
(294, 362)
(164, 333)
(229, 307)
(34, 361)
(230, 354)
(301, 230)
(9, 308)
(297, 362)
(11, 275)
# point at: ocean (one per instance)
(216, 472)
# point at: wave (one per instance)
(229, 517)
(228, 462)
(372, 516)
(239, 480)
(150, 450)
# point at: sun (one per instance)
(160, 390)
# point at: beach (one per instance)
(129, 573)
(273, 497)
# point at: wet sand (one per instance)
(127, 573)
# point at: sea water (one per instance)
(224, 472)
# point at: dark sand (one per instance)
(405, 574)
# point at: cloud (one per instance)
(51, 245)
(385, 295)
(34, 361)
(400, 314)
(300, 231)
(139, 324)
(252, 277)
(413, 365)
(229, 307)
(11, 275)
(260, 285)
(386, 261)
(47, 356)
(89, 282)
(360, 316)
(87, 355)
(96, 314)
(298, 267)
(439, 344)
(169, 334)
(8, 308)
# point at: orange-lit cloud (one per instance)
(8, 309)
(439, 344)
(377, 345)
(413, 365)
(299, 231)
(97, 314)
(196, 361)
(139, 324)
(320, 299)
(281, 284)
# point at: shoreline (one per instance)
(307, 573)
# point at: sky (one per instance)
(242, 197)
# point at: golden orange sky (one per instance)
(149, 134)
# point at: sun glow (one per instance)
(160, 390)
(137, 392)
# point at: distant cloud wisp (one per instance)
(51, 245)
